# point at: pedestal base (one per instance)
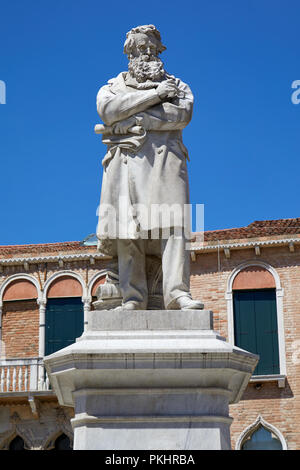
(145, 435)
(146, 380)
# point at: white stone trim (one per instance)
(279, 306)
(33, 367)
(254, 426)
(52, 259)
(280, 379)
(42, 325)
(64, 273)
(86, 310)
(84, 419)
(97, 255)
(242, 245)
(16, 277)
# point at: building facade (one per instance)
(249, 277)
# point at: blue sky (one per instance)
(239, 57)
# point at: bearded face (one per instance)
(143, 69)
(144, 63)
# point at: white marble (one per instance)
(161, 381)
(145, 179)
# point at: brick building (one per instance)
(248, 276)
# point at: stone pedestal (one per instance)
(145, 380)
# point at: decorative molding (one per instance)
(17, 429)
(34, 405)
(39, 433)
(253, 427)
(244, 245)
(51, 259)
(86, 310)
(63, 426)
(64, 273)
(97, 255)
(20, 276)
(42, 324)
(280, 379)
(26, 266)
(253, 262)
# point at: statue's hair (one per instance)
(148, 29)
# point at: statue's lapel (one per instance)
(118, 84)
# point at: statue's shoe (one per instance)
(186, 303)
(130, 306)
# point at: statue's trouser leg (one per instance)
(132, 271)
(176, 270)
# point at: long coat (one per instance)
(142, 170)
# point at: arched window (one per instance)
(255, 327)
(255, 318)
(261, 435)
(20, 289)
(17, 444)
(64, 286)
(62, 443)
(99, 281)
(64, 323)
(64, 313)
(262, 439)
(18, 296)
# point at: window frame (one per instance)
(246, 304)
(50, 320)
(280, 378)
(253, 427)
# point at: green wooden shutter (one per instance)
(64, 323)
(255, 327)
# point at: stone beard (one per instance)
(143, 70)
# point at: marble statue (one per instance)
(145, 375)
(144, 111)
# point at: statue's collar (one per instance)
(119, 85)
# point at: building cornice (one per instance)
(53, 259)
(204, 247)
(193, 247)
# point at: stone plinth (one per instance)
(145, 380)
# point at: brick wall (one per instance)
(20, 318)
(279, 407)
(20, 328)
(209, 276)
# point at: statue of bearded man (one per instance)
(145, 173)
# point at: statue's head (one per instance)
(139, 39)
(142, 46)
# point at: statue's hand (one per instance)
(167, 89)
(123, 126)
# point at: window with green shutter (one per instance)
(255, 327)
(64, 323)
